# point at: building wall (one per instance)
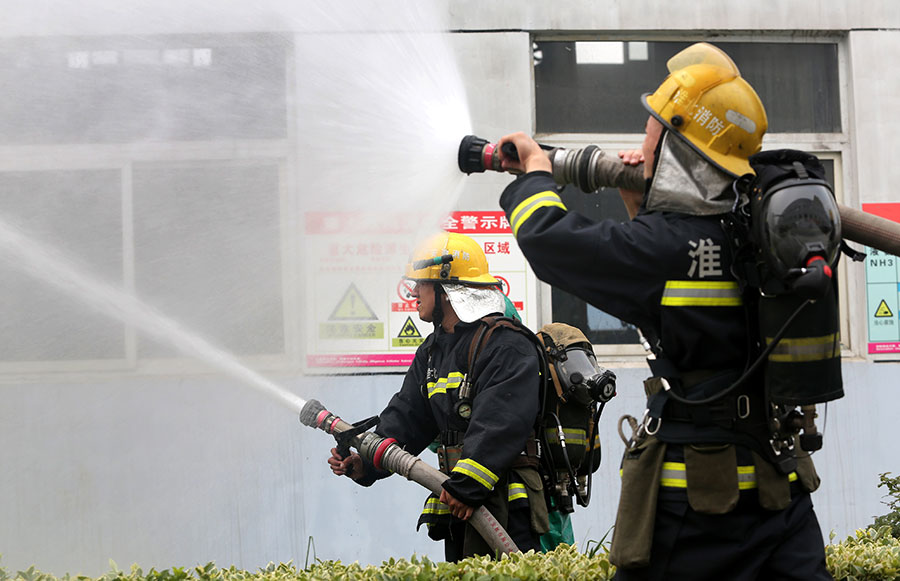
(169, 468)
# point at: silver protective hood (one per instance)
(685, 182)
(470, 303)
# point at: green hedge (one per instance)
(872, 554)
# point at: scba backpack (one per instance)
(574, 390)
(786, 235)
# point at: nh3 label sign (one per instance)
(883, 290)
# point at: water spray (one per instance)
(386, 454)
(590, 169)
(46, 263)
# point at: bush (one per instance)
(873, 554)
(891, 519)
(564, 562)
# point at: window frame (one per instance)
(123, 157)
(831, 146)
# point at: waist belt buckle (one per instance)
(537, 449)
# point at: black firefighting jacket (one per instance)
(505, 405)
(667, 273)
(670, 275)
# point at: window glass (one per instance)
(163, 88)
(600, 328)
(77, 216)
(595, 87)
(207, 253)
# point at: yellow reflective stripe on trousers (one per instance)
(477, 472)
(674, 475)
(517, 491)
(525, 209)
(452, 381)
(691, 293)
(435, 506)
(806, 348)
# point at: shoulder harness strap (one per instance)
(490, 324)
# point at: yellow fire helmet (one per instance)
(707, 103)
(450, 258)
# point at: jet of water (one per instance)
(51, 266)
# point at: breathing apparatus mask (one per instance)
(582, 378)
(795, 224)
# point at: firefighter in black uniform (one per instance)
(702, 496)
(485, 430)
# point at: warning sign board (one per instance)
(409, 335)
(361, 313)
(352, 318)
(883, 290)
(405, 290)
(352, 307)
(883, 310)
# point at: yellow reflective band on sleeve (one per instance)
(476, 472)
(691, 293)
(435, 506)
(674, 475)
(517, 491)
(452, 381)
(525, 209)
(797, 350)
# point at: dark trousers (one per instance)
(518, 526)
(749, 543)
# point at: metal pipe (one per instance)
(591, 168)
(385, 454)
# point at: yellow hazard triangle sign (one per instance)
(883, 310)
(409, 329)
(409, 335)
(353, 307)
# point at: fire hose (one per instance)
(386, 454)
(591, 168)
